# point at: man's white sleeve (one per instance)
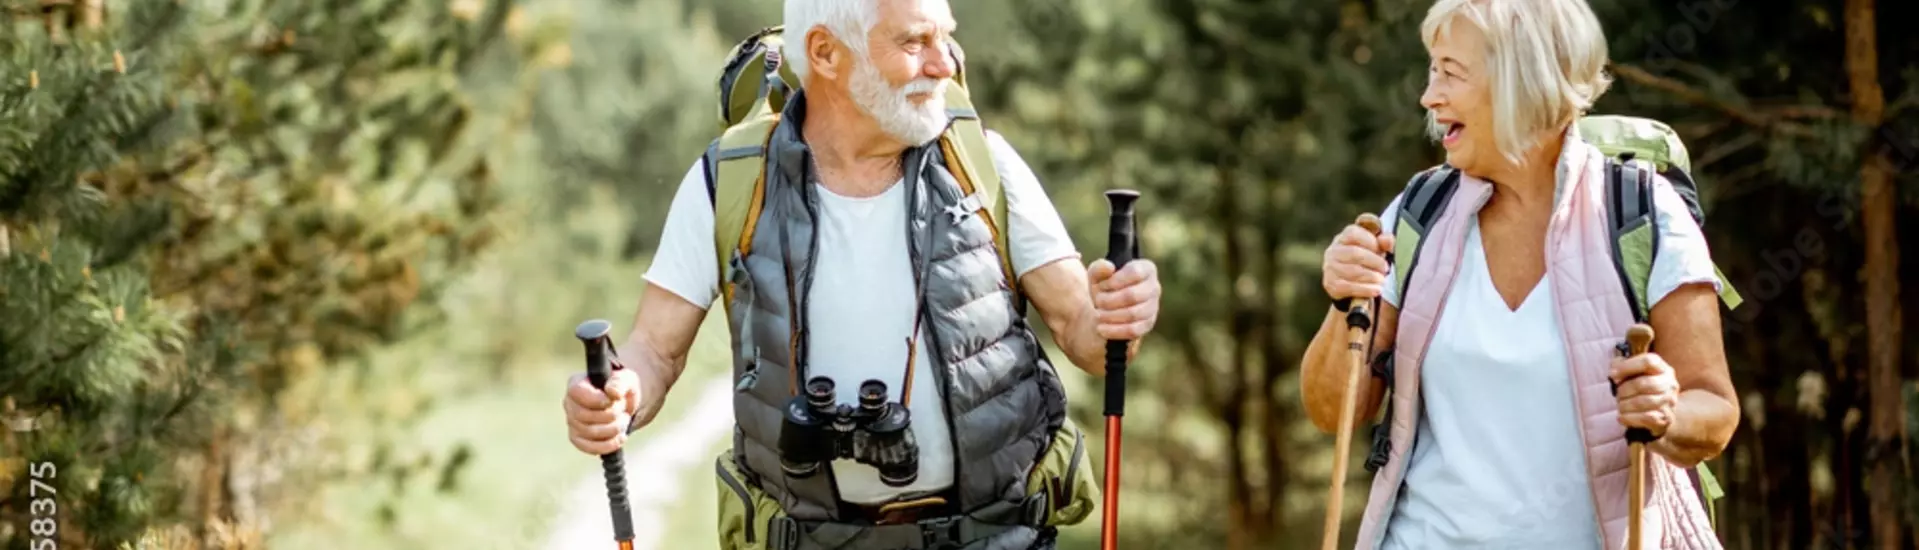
(1035, 234)
(684, 263)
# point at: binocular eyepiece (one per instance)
(876, 432)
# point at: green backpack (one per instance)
(1635, 148)
(736, 161)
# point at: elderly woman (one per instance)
(1506, 430)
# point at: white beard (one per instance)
(914, 124)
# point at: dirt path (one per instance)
(660, 463)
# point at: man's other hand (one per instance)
(1127, 301)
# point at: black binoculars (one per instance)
(875, 433)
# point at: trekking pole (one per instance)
(1121, 248)
(599, 348)
(1638, 340)
(1358, 322)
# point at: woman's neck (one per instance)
(1532, 184)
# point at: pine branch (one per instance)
(78, 106)
(1743, 114)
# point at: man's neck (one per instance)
(854, 156)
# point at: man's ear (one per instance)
(824, 53)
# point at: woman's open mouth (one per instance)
(1453, 132)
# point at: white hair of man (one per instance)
(847, 20)
(850, 21)
(1546, 60)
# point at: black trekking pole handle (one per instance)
(599, 351)
(1122, 247)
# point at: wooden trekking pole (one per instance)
(1121, 247)
(599, 351)
(1358, 331)
(1638, 341)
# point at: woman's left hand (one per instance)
(1650, 393)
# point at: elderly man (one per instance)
(866, 265)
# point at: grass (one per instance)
(487, 386)
(506, 495)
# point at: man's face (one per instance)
(901, 80)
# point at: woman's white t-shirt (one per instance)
(1498, 461)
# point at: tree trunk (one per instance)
(1878, 202)
(1273, 359)
(92, 13)
(1233, 410)
(212, 478)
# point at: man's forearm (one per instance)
(1085, 347)
(1702, 424)
(656, 374)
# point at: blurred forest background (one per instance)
(303, 275)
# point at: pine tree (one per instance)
(79, 333)
(189, 227)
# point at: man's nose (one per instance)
(940, 62)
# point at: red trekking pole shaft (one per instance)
(1122, 247)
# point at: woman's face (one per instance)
(1458, 98)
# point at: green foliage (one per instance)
(81, 327)
(336, 179)
(266, 189)
(637, 104)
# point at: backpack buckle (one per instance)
(1037, 508)
(782, 533)
(940, 533)
(965, 208)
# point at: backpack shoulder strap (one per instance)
(1420, 206)
(1635, 235)
(736, 167)
(970, 160)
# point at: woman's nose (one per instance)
(1430, 98)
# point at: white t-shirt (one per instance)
(1498, 461)
(861, 307)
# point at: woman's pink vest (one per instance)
(1593, 311)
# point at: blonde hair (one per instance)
(1545, 60)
